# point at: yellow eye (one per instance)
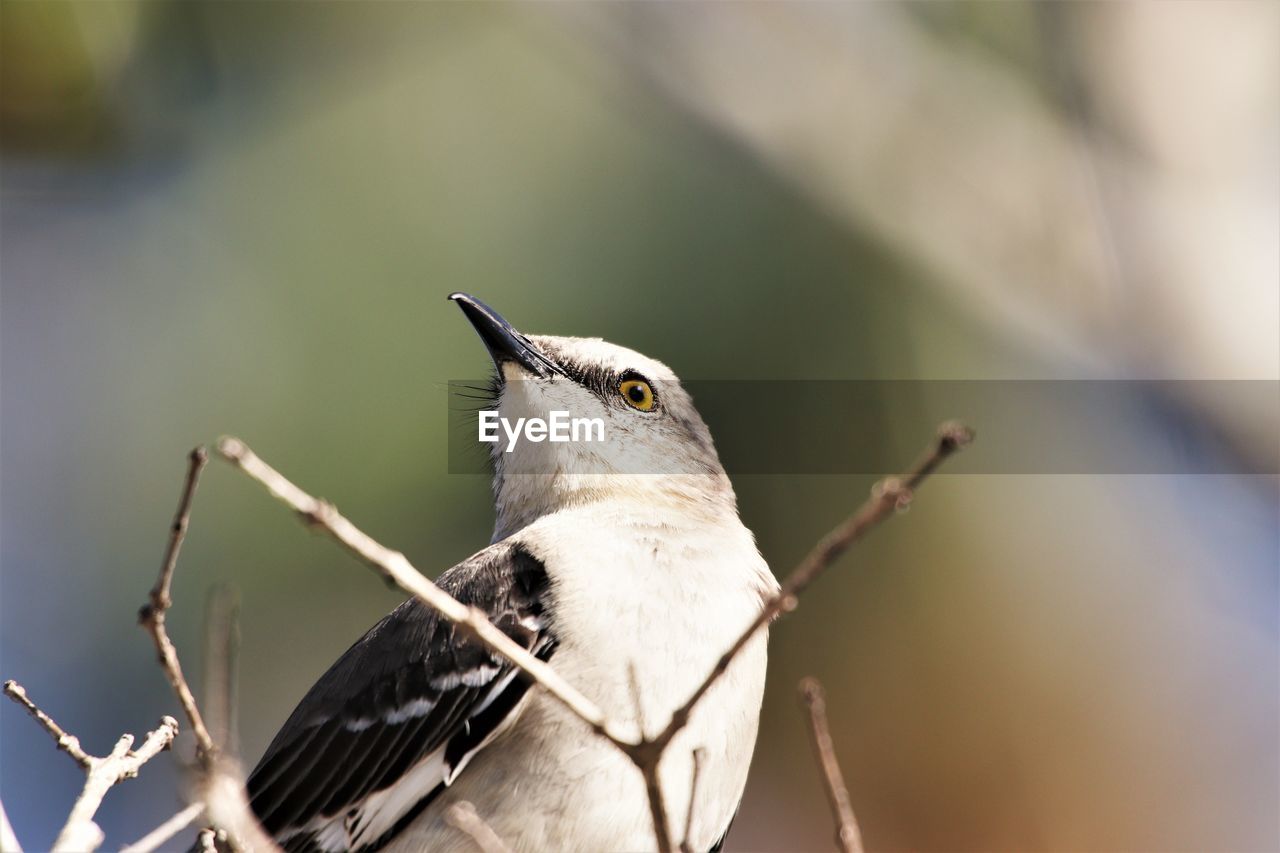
(637, 393)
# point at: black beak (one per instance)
(502, 340)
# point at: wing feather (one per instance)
(274, 779)
(399, 715)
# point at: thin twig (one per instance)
(80, 832)
(848, 834)
(395, 567)
(463, 817)
(123, 763)
(162, 833)
(648, 765)
(67, 743)
(220, 780)
(8, 840)
(647, 761)
(686, 846)
(152, 614)
(887, 497)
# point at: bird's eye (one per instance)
(637, 393)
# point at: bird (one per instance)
(623, 564)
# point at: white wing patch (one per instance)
(478, 677)
(451, 773)
(416, 708)
(378, 812)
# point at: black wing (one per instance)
(396, 718)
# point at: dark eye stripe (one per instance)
(601, 381)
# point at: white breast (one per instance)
(631, 587)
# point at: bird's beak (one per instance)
(502, 340)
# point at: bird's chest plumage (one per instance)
(665, 601)
(665, 597)
(661, 606)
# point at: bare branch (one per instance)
(887, 497)
(647, 760)
(686, 846)
(80, 832)
(657, 804)
(8, 841)
(67, 743)
(395, 567)
(848, 835)
(463, 817)
(221, 783)
(152, 614)
(123, 763)
(162, 833)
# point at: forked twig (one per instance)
(222, 791)
(80, 832)
(648, 763)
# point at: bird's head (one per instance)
(631, 431)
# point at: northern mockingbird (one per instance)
(604, 557)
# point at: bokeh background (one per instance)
(244, 218)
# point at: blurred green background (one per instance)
(244, 218)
